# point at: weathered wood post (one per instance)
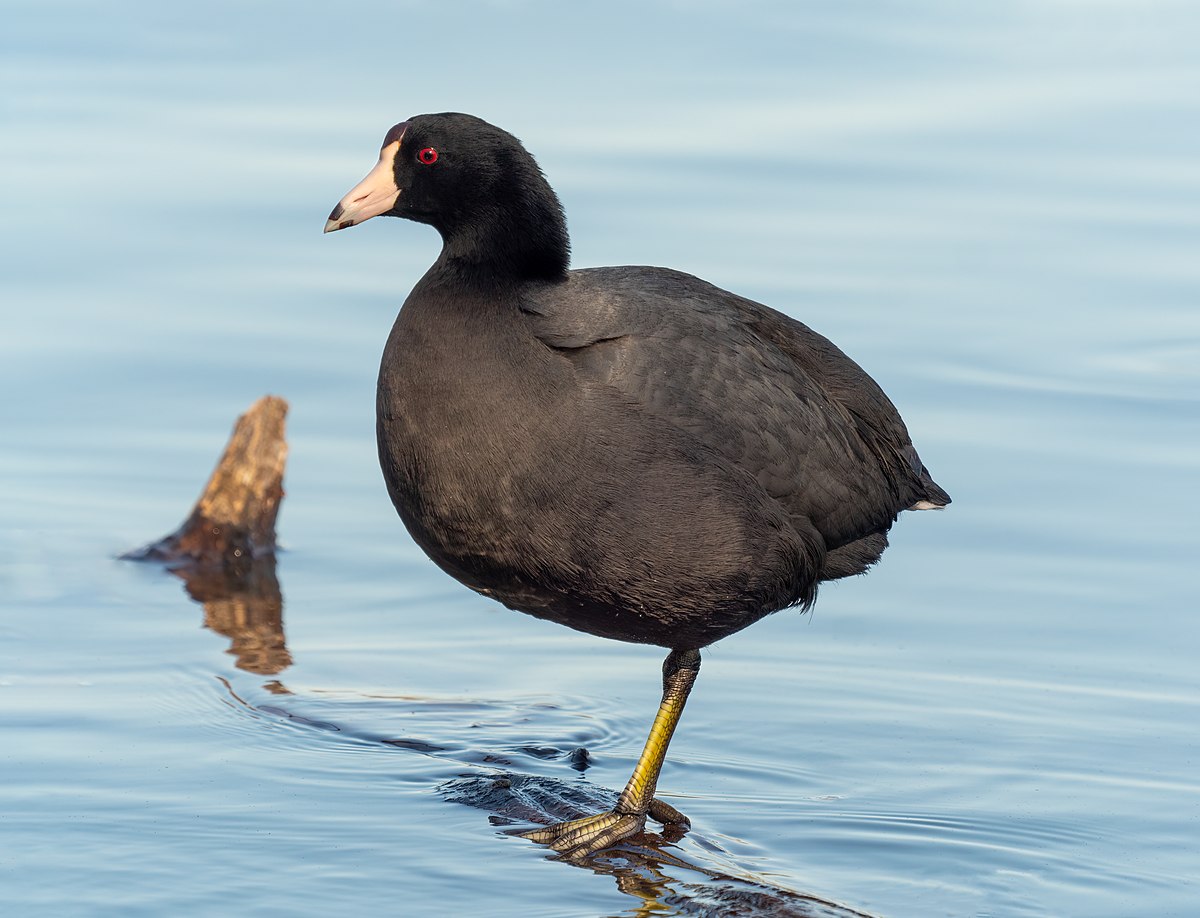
(225, 549)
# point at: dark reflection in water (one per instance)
(246, 605)
(640, 868)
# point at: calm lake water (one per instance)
(995, 208)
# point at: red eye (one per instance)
(427, 157)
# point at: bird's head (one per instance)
(475, 183)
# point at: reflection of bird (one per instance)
(631, 452)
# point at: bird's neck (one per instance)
(508, 242)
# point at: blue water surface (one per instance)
(995, 208)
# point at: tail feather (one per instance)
(934, 498)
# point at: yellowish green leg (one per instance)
(581, 837)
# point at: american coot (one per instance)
(629, 451)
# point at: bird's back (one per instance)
(773, 398)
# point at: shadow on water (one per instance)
(246, 606)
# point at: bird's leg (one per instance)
(581, 837)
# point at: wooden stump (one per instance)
(225, 550)
(234, 520)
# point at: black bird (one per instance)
(628, 451)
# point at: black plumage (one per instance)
(628, 451)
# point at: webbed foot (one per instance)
(582, 837)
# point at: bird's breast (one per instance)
(468, 442)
